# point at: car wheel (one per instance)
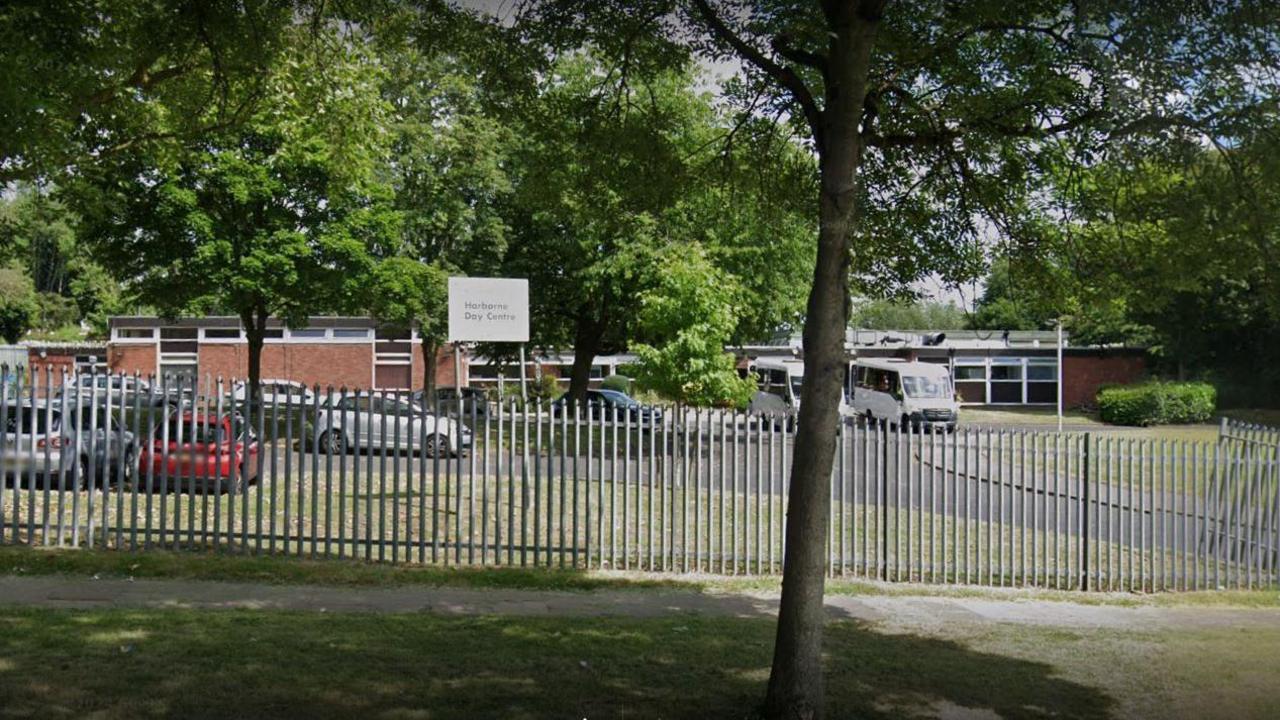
(333, 443)
(436, 446)
(126, 475)
(82, 472)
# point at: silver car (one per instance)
(370, 421)
(40, 448)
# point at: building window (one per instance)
(179, 333)
(222, 333)
(971, 380)
(179, 369)
(351, 333)
(308, 333)
(135, 333)
(1042, 380)
(1006, 381)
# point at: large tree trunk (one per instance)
(430, 353)
(255, 330)
(795, 683)
(586, 342)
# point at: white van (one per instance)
(905, 391)
(782, 379)
(780, 384)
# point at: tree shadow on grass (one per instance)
(311, 665)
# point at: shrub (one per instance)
(1157, 403)
(619, 383)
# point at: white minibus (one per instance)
(916, 394)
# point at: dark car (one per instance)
(474, 402)
(605, 403)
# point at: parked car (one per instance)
(609, 402)
(198, 453)
(118, 388)
(916, 394)
(475, 404)
(277, 392)
(38, 436)
(368, 421)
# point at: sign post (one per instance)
(489, 310)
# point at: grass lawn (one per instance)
(182, 663)
(226, 567)
(1048, 417)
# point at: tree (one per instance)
(273, 220)
(406, 294)
(690, 314)
(933, 124)
(38, 230)
(100, 78)
(899, 315)
(18, 305)
(599, 162)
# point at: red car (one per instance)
(200, 455)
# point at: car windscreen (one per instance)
(617, 398)
(926, 388)
(797, 382)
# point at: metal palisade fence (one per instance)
(137, 463)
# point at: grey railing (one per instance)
(110, 461)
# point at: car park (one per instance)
(610, 404)
(280, 393)
(201, 452)
(474, 402)
(377, 420)
(115, 389)
(47, 447)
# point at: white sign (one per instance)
(488, 310)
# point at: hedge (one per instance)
(1157, 403)
(620, 383)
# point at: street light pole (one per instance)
(1059, 374)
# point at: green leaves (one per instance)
(274, 218)
(688, 316)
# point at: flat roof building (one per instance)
(355, 352)
(992, 367)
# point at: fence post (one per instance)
(1084, 517)
(884, 503)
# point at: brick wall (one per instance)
(132, 359)
(321, 364)
(50, 367)
(1084, 374)
(324, 364)
(444, 366)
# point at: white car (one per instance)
(371, 421)
(277, 392)
(915, 394)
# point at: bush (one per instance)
(1157, 403)
(618, 383)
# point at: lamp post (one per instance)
(1059, 374)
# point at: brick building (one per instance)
(351, 351)
(992, 367)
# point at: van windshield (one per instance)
(926, 388)
(797, 381)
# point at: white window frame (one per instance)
(119, 339)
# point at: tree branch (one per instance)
(784, 76)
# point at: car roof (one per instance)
(910, 368)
